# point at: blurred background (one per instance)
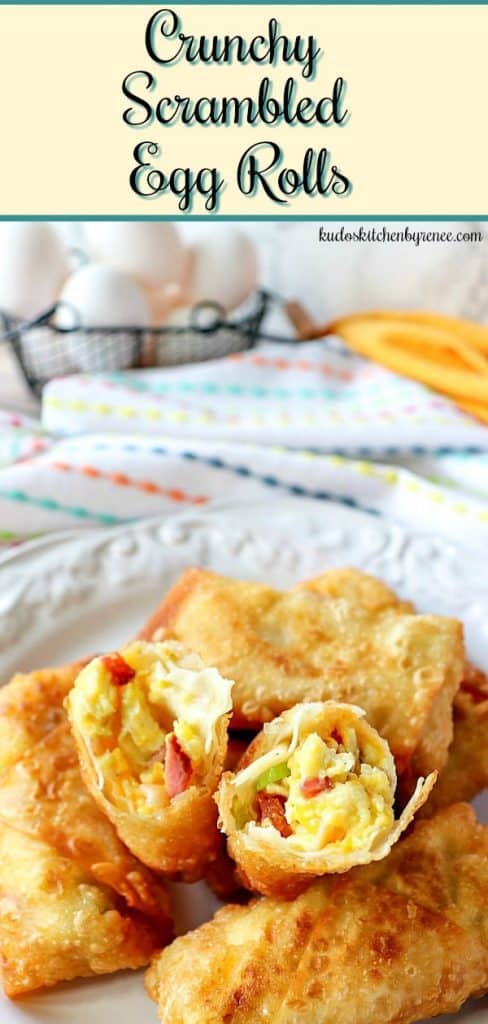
(331, 279)
(222, 263)
(147, 366)
(336, 278)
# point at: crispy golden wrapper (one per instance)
(43, 796)
(348, 817)
(178, 835)
(222, 877)
(58, 923)
(30, 706)
(391, 943)
(344, 636)
(466, 771)
(73, 900)
(181, 843)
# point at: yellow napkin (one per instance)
(446, 353)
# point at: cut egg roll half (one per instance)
(314, 795)
(150, 723)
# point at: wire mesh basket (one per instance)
(45, 350)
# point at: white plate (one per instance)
(75, 593)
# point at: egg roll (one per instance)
(466, 771)
(73, 901)
(344, 636)
(391, 943)
(150, 723)
(314, 795)
(42, 795)
(57, 923)
(31, 704)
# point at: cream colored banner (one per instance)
(414, 141)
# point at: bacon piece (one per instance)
(475, 692)
(272, 806)
(314, 786)
(119, 669)
(177, 767)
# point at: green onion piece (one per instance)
(276, 773)
(240, 813)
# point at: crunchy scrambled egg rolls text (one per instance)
(314, 795)
(150, 723)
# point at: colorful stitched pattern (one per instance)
(122, 480)
(243, 416)
(52, 505)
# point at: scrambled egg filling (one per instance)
(168, 698)
(331, 791)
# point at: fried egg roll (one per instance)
(391, 943)
(466, 771)
(43, 796)
(73, 900)
(150, 723)
(31, 705)
(57, 923)
(344, 636)
(314, 795)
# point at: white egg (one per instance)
(179, 317)
(223, 268)
(152, 251)
(33, 265)
(161, 301)
(203, 318)
(97, 296)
